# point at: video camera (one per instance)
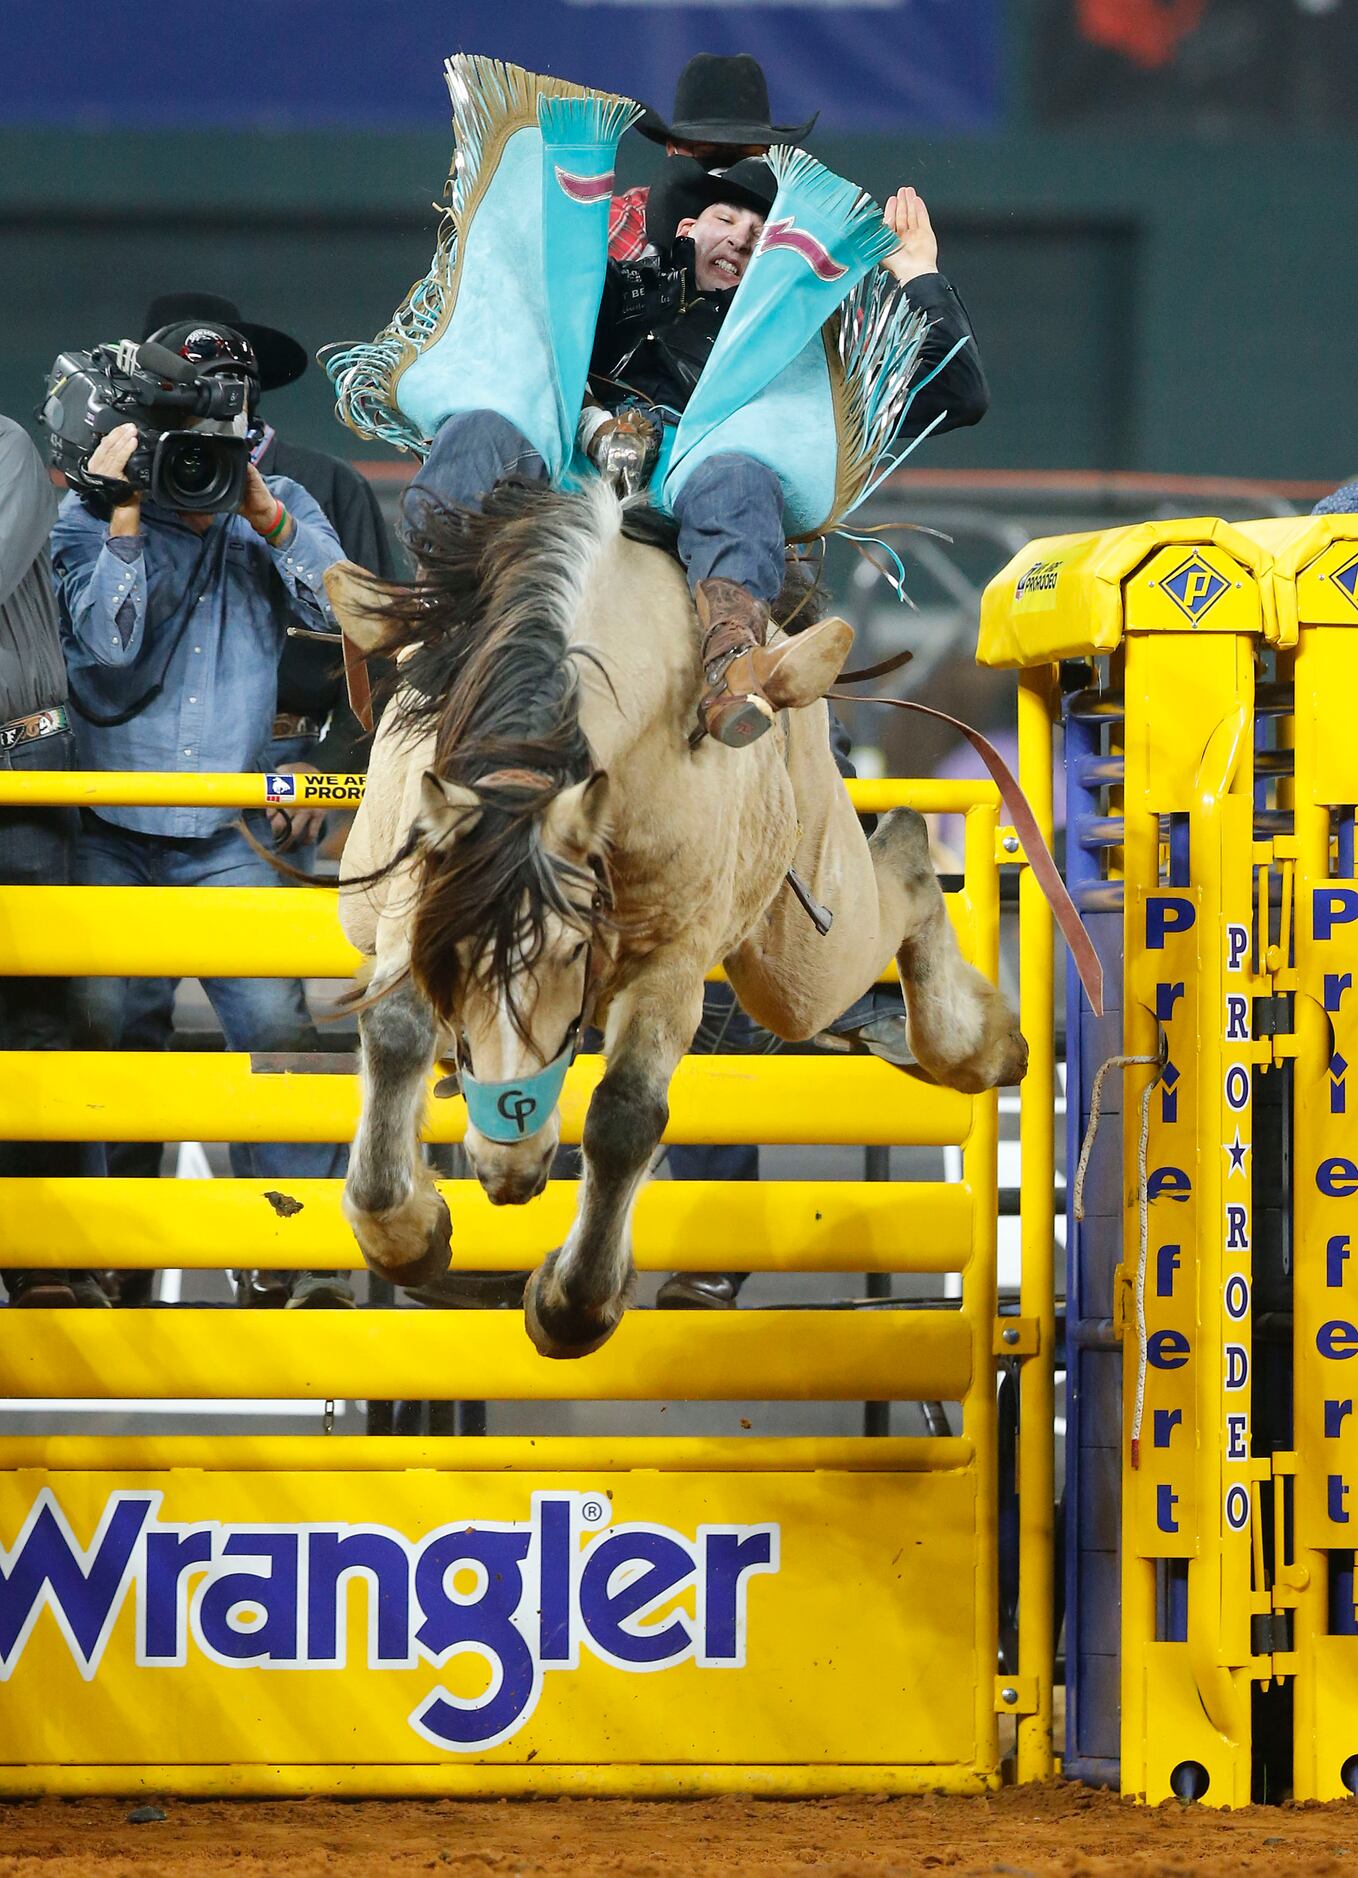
(91, 393)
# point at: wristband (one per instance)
(279, 520)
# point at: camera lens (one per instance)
(194, 472)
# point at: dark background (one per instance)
(1145, 203)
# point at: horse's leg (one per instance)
(887, 902)
(398, 1215)
(962, 1030)
(576, 1298)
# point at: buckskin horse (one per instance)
(542, 845)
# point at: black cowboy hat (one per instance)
(722, 100)
(281, 359)
(684, 188)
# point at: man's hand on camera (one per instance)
(109, 458)
(263, 510)
(296, 827)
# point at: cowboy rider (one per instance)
(658, 323)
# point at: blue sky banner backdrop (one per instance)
(925, 65)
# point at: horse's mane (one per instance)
(490, 669)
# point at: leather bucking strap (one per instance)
(879, 670)
(357, 682)
(1036, 852)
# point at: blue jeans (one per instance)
(256, 1014)
(730, 511)
(148, 1010)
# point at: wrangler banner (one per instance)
(423, 1617)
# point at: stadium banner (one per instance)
(873, 65)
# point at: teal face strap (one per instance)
(512, 1111)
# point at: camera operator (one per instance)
(35, 844)
(313, 727)
(174, 620)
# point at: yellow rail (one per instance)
(488, 1454)
(93, 1095)
(653, 1356)
(173, 789)
(707, 1225)
(204, 932)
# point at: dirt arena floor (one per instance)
(1054, 1828)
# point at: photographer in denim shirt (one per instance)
(174, 622)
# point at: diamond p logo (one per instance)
(1194, 587)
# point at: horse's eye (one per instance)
(578, 950)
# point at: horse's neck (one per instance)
(638, 622)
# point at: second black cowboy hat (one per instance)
(723, 101)
(281, 359)
(684, 188)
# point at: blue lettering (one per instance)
(1337, 1095)
(1237, 1019)
(1338, 1496)
(1166, 914)
(1331, 907)
(1237, 1228)
(728, 1559)
(169, 1554)
(1236, 1296)
(1237, 1087)
(1169, 1095)
(1170, 1182)
(1237, 1508)
(1237, 947)
(556, 1644)
(1166, 1264)
(519, 1597)
(83, 1588)
(1235, 1438)
(1168, 1349)
(274, 1638)
(1165, 1421)
(1336, 984)
(1337, 1178)
(608, 1608)
(1334, 1418)
(333, 1558)
(482, 1624)
(1336, 1256)
(1337, 1340)
(1166, 997)
(1237, 1366)
(1166, 1499)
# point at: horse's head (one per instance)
(508, 943)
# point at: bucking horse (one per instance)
(544, 846)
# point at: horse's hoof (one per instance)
(430, 1264)
(559, 1329)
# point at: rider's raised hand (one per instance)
(908, 218)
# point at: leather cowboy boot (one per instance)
(749, 681)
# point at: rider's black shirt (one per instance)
(656, 331)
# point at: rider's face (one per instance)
(724, 238)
